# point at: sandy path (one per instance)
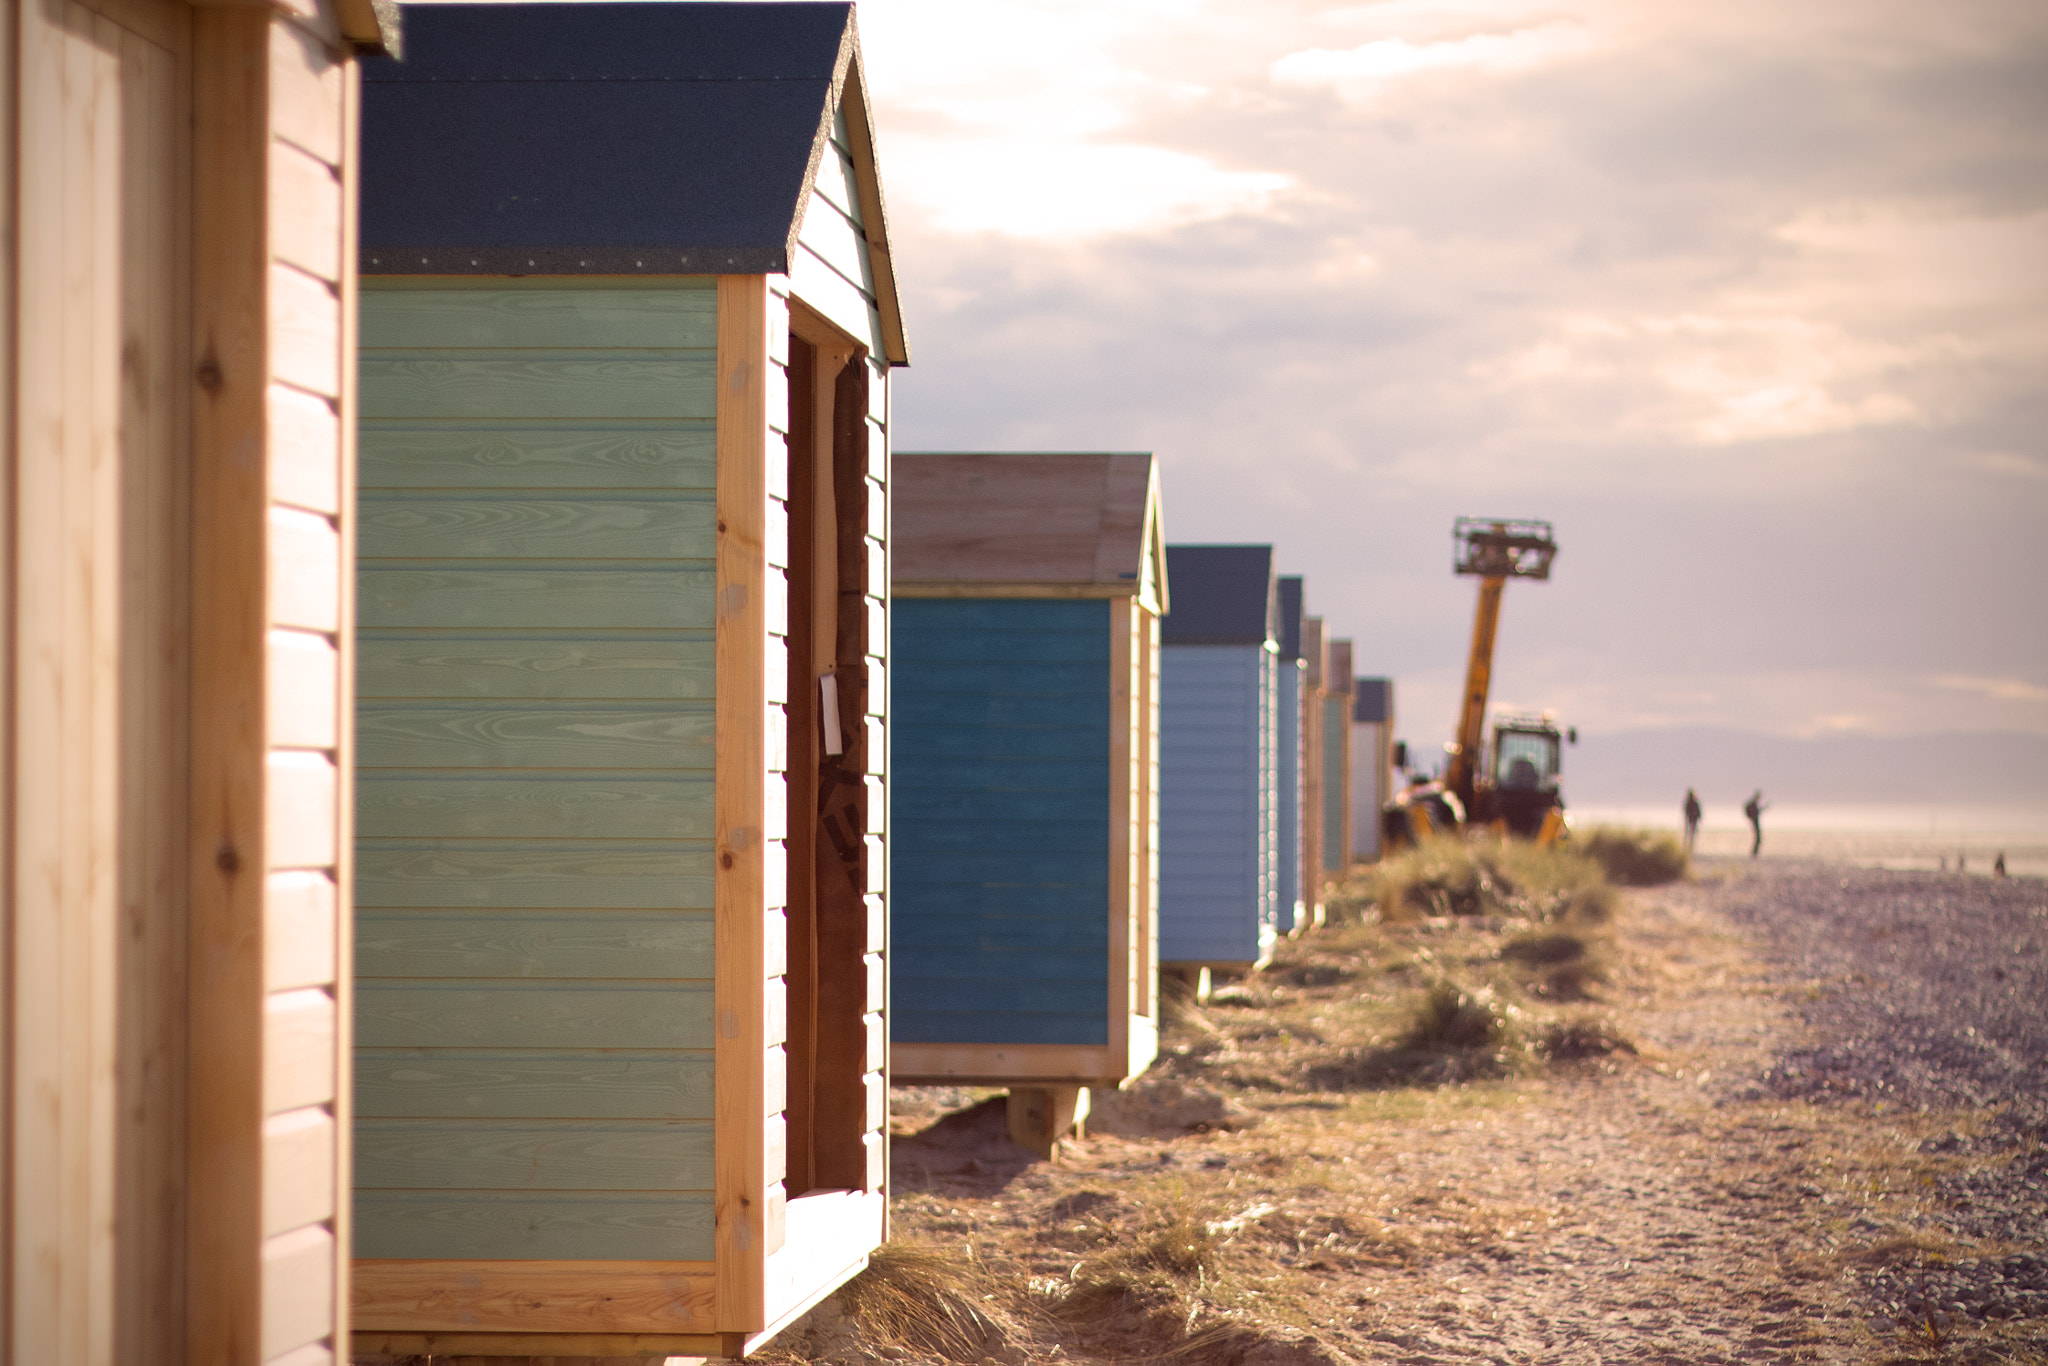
(1688, 1205)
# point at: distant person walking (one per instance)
(1692, 819)
(1754, 808)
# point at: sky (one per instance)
(1750, 299)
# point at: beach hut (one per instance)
(1314, 654)
(1337, 689)
(1372, 763)
(1219, 809)
(178, 306)
(1291, 682)
(1026, 596)
(627, 327)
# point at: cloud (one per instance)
(2002, 689)
(1358, 73)
(1745, 297)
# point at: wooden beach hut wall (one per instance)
(1219, 816)
(1289, 775)
(1337, 689)
(1027, 592)
(627, 327)
(178, 298)
(1314, 654)
(1372, 763)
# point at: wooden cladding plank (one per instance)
(487, 455)
(502, 664)
(304, 450)
(303, 702)
(525, 804)
(298, 1050)
(875, 1053)
(421, 524)
(837, 241)
(677, 314)
(305, 571)
(493, 1155)
(298, 1289)
(523, 1225)
(875, 1098)
(446, 1013)
(300, 795)
(588, 596)
(479, 1083)
(833, 297)
(299, 934)
(305, 93)
(836, 184)
(298, 1170)
(534, 943)
(747, 743)
(305, 331)
(230, 1065)
(571, 385)
(607, 1297)
(534, 735)
(590, 873)
(308, 233)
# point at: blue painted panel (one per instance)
(1000, 865)
(1218, 813)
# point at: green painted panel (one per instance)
(529, 665)
(592, 597)
(517, 805)
(533, 1226)
(533, 456)
(419, 524)
(468, 319)
(539, 384)
(493, 1083)
(554, 734)
(474, 1155)
(534, 943)
(592, 874)
(477, 1013)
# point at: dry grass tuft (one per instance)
(1635, 858)
(1580, 1037)
(1485, 877)
(928, 1299)
(1454, 1034)
(1559, 965)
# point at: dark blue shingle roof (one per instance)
(1290, 617)
(1222, 595)
(664, 137)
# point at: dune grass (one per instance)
(1635, 858)
(1488, 877)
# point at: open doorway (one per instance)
(827, 785)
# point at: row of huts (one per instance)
(504, 766)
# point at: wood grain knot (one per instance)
(209, 375)
(227, 860)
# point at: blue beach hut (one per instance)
(1026, 595)
(627, 326)
(1219, 729)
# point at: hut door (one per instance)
(827, 770)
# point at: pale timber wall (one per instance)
(177, 650)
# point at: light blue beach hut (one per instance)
(1026, 593)
(1219, 739)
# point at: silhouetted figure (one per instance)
(1998, 865)
(1754, 808)
(1962, 862)
(1692, 820)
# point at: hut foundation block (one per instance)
(1040, 1116)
